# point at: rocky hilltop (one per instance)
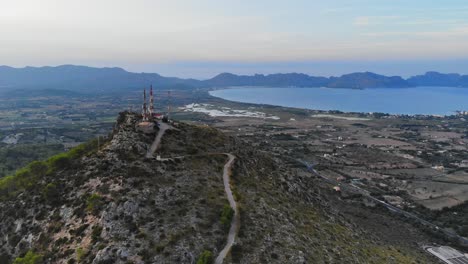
(109, 203)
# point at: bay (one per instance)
(410, 101)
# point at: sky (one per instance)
(201, 38)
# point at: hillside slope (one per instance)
(116, 206)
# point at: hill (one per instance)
(439, 79)
(288, 79)
(367, 80)
(116, 205)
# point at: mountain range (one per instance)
(71, 77)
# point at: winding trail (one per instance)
(235, 222)
(162, 129)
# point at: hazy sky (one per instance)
(200, 38)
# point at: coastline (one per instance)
(212, 93)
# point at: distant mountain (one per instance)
(84, 78)
(439, 79)
(88, 79)
(367, 80)
(358, 80)
(288, 79)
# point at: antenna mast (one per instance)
(169, 104)
(144, 110)
(151, 107)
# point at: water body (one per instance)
(411, 101)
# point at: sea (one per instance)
(404, 101)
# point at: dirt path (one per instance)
(235, 223)
(162, 129)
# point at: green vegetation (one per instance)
(226, 215)
(51, 193)
(38, 168)
(59, 161)
(235, 193)
(18, 156)
(96, 233)
(80, 254)
(455, 217)
(206, 257)
(29, 258)
(28, 177)
(94, 203)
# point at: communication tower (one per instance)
(144, 112)
(151, 106)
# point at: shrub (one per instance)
(192, 150)
(94, 203)
(29, 258)
(21, 155)
(64, 160)
(28, 176)
(51, 193)
(96, 233)
(60, 161)
(80, 254)
(206, 257)
(236, 194)
(25, 179)
(84, 149)
(236, 253)
(7, 185)
(226, 215)
(80, 230)
(55, 226)
(38, 168)
(11, 185)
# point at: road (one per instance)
(162, 129)
(235, 222)
(385, 204)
